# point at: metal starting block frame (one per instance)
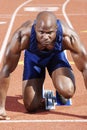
(51, 101)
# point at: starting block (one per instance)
(51, 101)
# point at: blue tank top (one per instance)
(57, 46)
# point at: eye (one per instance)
(50, 32)
(41, 32)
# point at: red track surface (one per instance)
(77, 13)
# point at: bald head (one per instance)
(46, 19)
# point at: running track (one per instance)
(74, 117)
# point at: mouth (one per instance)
(45, 42)
(45, 46)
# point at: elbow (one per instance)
(4, 73)
(84, 71)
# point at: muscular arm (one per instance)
(72, 42)
(12, 54)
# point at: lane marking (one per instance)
(66, 18)
(5, 42)
(64, 13)
(22, 62)
(84, 31)
(38, 9)
(1, 22)
(69, 14)
(71, 62)
(5, 15)
(42, 121)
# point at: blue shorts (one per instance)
(35, 65)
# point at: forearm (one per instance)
(4, 84)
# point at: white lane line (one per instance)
(43, 121)
(1, 22)
(4, 44)
(65, 15)
(7, 16)
(38, 9)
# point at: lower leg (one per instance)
(4, 84)
(32, 94)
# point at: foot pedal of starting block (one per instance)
(49, 100)
(60, 100)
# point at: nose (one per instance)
(46, 36)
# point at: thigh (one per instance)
(64, 82)
(57, 61)
(32, 69)
(32, 93)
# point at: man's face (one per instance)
(45, 35)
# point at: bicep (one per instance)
(72, 42)
(80, 58)
(18, 42)
(10, 61)
(78, 51)
(11, 55)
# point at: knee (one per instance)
(69, 92)
(66, 90)
(30, 107)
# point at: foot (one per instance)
(61, 100)
(3, 115)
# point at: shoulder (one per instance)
(25, 28)
(71, 40)
(20, 37)
(67, 30)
